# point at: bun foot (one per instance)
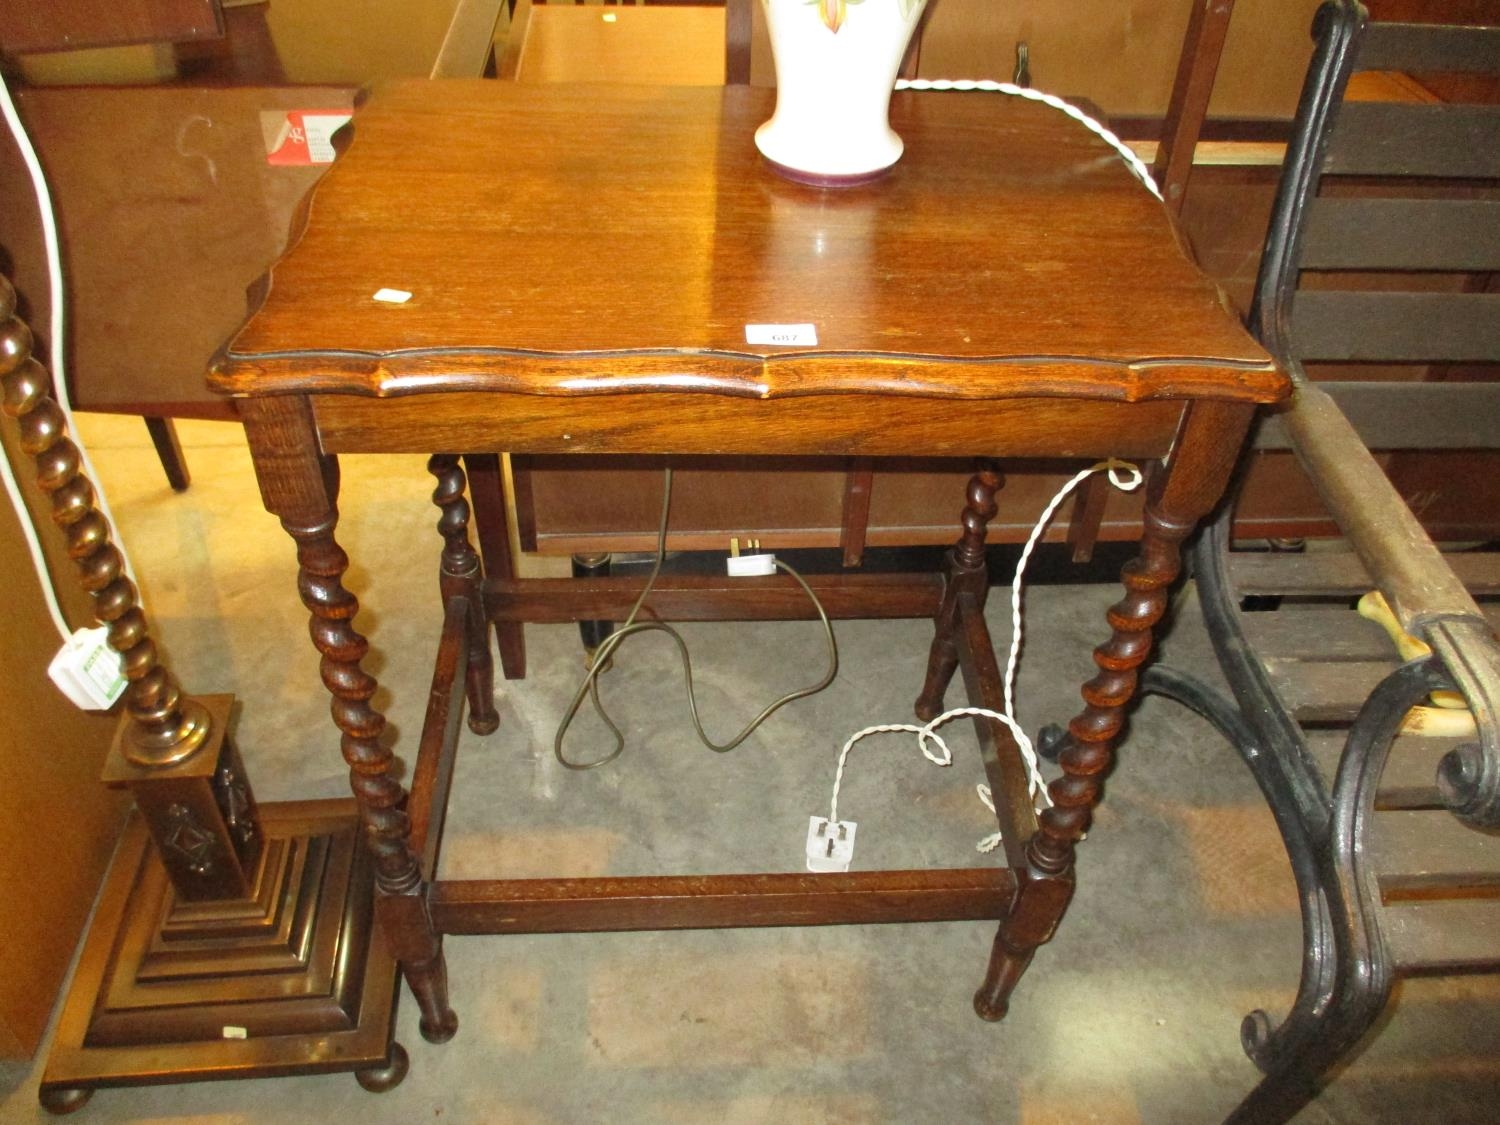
(379, 1079)
(440, 1032)
(990, 1008)
(484, 724)
(65, 1099)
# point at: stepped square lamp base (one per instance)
(290, 980)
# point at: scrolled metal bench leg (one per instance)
(1268, 1043)
(1363, 971)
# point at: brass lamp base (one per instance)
(292, 979)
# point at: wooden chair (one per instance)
(1384, 824)
(168, 210)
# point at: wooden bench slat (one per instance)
(1422, 47)
(1315, 573)
(1319, 634)
(1315, 692)
(1316, 633)
(1447, 937)
(1403, 234)
(1409, 780)
(1325, 692)
(1344, 326)
(1399, 415)
(1339, 573)
(1431, 843)
(1403, 139)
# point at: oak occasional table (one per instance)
(582, 264)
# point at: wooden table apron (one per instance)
(582, 265)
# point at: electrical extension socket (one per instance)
(88, 671)
(829, 847)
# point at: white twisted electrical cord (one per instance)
(987, 85)
(1126, 483)
(1123, 476)
(1036, 786)
(57, 338)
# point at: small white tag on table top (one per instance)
(392, 296)
(782, 335)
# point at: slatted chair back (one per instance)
(1404, 189)
(1385, 189)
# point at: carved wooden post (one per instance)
(170, 750)
(462, 576)
(1207, 445)
(964, 571)
(300, 485)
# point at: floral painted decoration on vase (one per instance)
(831, 127)
(834, 12)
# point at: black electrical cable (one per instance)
(590, 684)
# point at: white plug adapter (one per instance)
(830, 847)
(749, 566)
(88, 671)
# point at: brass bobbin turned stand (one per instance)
(231, 940)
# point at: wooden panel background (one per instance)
(1121, 55)
(31, 25)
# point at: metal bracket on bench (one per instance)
(1469, 777)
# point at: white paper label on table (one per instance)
(782, 335)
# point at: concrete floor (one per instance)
(1185, 916)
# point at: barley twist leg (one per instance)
(461, 575)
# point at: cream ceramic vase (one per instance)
(833, 87)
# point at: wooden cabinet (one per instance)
(106, 23)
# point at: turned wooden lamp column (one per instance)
(170, 750)
(229, 947)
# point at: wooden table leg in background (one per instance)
(462, 576)
(299, 484)
(1196, 471)
(964, 572)
(1088, 515)
(854, 525)
(492, 528)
